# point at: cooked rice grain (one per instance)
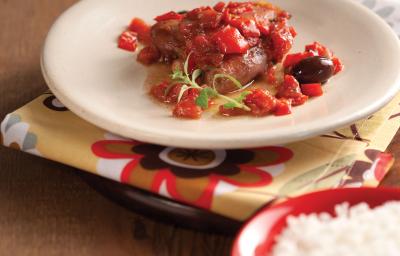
(357, 230)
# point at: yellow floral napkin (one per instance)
(233, 183)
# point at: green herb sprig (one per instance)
(206, 93)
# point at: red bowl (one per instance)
(257, 237)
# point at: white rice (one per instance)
(358, 231)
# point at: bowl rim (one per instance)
(275, 205)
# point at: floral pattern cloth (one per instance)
(233, 183)
(191, 176)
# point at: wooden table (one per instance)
(46, 209)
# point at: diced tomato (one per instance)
(240, 7)
(193, 14)
(271, 75)
(261, 103)
(128, 41)
(219, 7)
(239, 4)
(232, 111)
(338, 65)
(167, 93)
(226, 16)
(284, 15)
(169, 16)
(319, 49)
(229, 41)
(173, 93)
(264, 29)
(201, 43)
(187, 107)
(247, 27)
(312, 90)
(283, 107)
(293, 31)
(148, 55)
(142, 29)
(293, 59)
(158, 91)
(282, 41)
(290, 89)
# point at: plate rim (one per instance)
(215, 142)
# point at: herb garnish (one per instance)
(240, 100)
(206, 93)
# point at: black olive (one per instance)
(313, 70)
(183, 12)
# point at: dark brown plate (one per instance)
(159, 208)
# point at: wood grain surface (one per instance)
(45, 208)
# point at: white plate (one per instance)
(104, 85)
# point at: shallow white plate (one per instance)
(104, 85)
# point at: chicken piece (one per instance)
(196, 31)
(244, 68)
(167, 39)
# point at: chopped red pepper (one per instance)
(283, 107)
(293, 31)
(229, 41)
(290, 89)
(285, 15)
(239, 4)
(293, 59)
(158, 91)
(173, 93)
(312, 90)
(338, 65)
(319, 49)
(282, 41)
(271, 75)
(169, 16)
(226, 16)
(261, 103)
(148, 55)
(167, 93)
(142, 29)
(194, 14)
(187, 107)
(240, 7)
(247, 27)
(201, 43)
(219, 7)
(264, 29)
(128, 41)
